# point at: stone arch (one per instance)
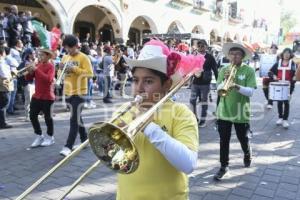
(140, 25)
(176, 27)
(237, 37)
(214, 36)
(110, 10)
(52, 12)
(198, 29)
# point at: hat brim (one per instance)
(47, 51)
(156, 63)
(228, 46)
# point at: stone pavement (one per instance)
(275, 172)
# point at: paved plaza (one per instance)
(274, 174)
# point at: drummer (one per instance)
(284, 70)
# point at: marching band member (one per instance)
(168, 146)
(234, 109)
(78, 70)
(42, 100)
(284, 70)
(6, 86)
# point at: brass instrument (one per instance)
(114, 146)
(23, 71)
(229, 82)
(62, 73)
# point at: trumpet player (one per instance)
(6, 86)
(234, 105)
(78, 70)
(43, 97)
(28, 59)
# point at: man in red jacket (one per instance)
(43, 98)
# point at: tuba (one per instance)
(229, 82)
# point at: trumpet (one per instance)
(23, 71)
(229, 82)
(62, 74)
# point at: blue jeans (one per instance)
(201, 92)
(101, 82)
(90, 90)
(11, 105)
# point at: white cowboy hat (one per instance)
(228, 46)
(151, 57)
(47, 51)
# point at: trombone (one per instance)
(62, 73)
(113, 145)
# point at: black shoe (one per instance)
(247, 160)
(202, 124)
(221, 173)
(107, 101)
(6, 126)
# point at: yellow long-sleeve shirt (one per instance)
(76, 81)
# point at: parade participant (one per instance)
(201, 84)
(43, 98)
(234, 108)
(168, 145)
(6, 86)
(266, 80)
(78, 70)
(284, 70)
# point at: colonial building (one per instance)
(127, 20)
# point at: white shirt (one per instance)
(5, 71)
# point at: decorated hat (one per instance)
(156, 55)
(228, 46)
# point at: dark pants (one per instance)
(283, 109)
(36, 106)
(107, 86)
(199, 91)
(224, 128)
(4, 100)
(266, 93)
(76, 104)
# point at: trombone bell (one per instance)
(114, 147)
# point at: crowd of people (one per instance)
(77, 68)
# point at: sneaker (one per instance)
(269, 106)
(279, 121)
(65, 151)
(77, 145)
(247, 160)
(5, 126)
(221, 173)
(202, 124)
(285, 124)
(48, 140)
(38, 141)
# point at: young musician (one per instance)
(78, 70)
(43, 98)
(284, 70)
(234, 108)
(168, 145)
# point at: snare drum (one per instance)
(279, 91)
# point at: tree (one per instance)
(287, 21)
